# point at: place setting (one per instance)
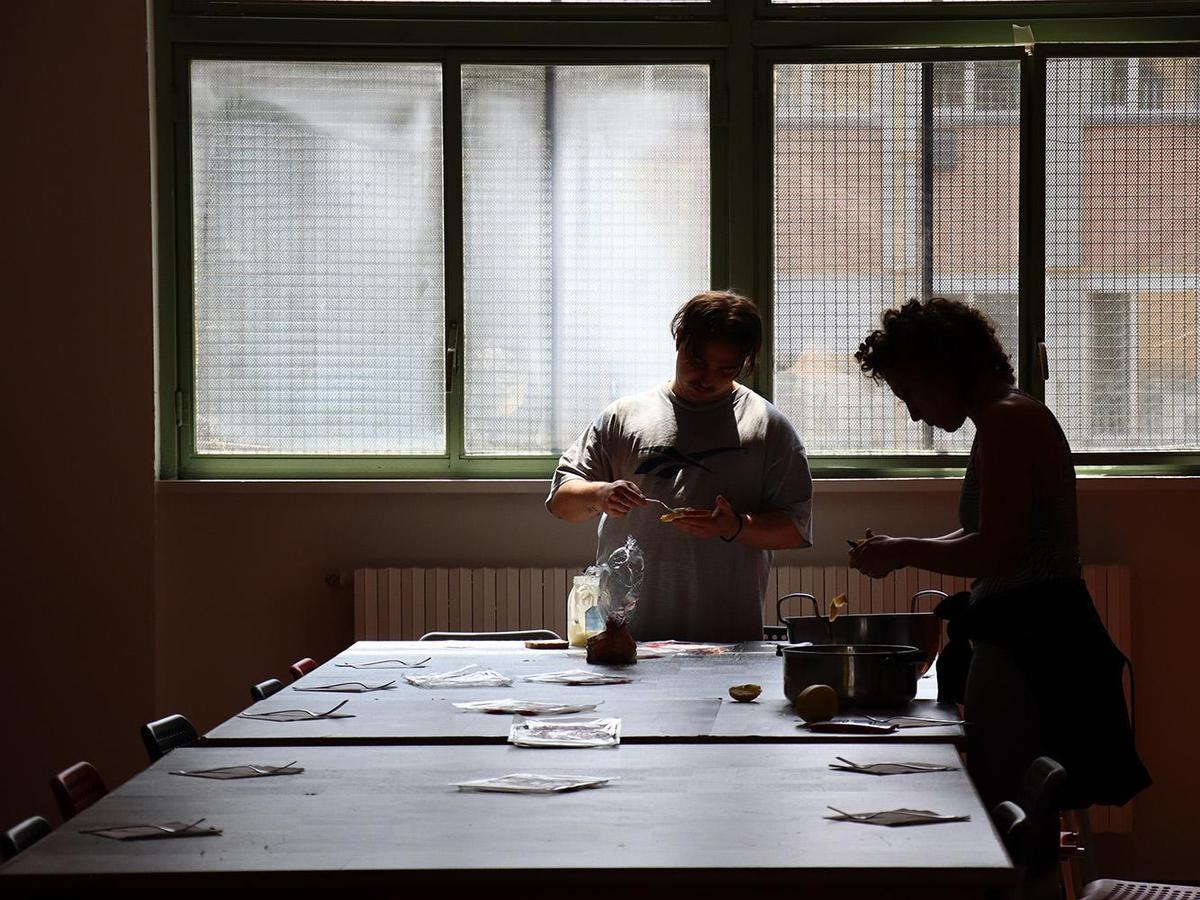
(243, 770)
(151, 832)
(348, 687)
(299, 715)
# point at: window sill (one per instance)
(1087, 484)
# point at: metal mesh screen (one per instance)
(317, 216)
(886, 190)
(586, 225)
(1122, 251)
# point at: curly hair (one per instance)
(945, 336)
(725, 315)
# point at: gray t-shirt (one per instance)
(685, 454)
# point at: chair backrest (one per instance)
(1038, 797)
(265, 689)
(76, 788)
(1011, 822)
(23, 836)
(302, 667)
(164, 735)
(537, 634)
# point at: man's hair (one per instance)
(946, 337)
(723, 315)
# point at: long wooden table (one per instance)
(713, 819)
(673, 699)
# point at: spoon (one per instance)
(670, 509)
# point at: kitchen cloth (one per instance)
(1055, 636)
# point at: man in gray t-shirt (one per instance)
(705, 442)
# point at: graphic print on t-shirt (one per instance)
(667, 462)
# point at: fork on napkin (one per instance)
(299, 715)
(889, 768)
(153, 832)
(895, 817)
(245, 770)
(348, 687)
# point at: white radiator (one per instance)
(401, 604)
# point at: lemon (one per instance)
(744, 693)
(816, 703)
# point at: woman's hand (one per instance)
(721, 522)
(616, 498)
(878, 555)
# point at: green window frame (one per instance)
(740, 42)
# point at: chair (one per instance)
(265, 689)
(1035, 845)
(1011, 822)
(164, 735)
(537, 634)
(1113, 889)
(1038, 798)
(302, 667)
(23, 836)
(76, 788)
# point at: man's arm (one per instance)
(577, 500)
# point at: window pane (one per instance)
(1123, 250)
(586, 225)
(317, 214)
(851, 188)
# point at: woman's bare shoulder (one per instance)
(1017, 418)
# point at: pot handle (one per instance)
(928, 592)
(779, 605)
(910, 657)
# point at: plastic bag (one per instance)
(620, 583)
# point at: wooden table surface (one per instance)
(694, 818)
(672, 699)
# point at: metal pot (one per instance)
(910, 629)
(862, 674)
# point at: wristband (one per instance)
(733, 537)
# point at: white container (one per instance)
(583, 614)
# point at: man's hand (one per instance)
(616, 498)
(702, 523)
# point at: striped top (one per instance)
(1052, 547)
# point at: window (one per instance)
(978, 86)
(586, 223)
(1123, 254)
(318, 288)
(862, 223)
(436, 238)
(1146, 84)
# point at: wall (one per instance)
(242, 579)
(76, 650)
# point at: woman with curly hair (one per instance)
(1044, 677)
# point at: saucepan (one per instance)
(862, 674)
(922, 630)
